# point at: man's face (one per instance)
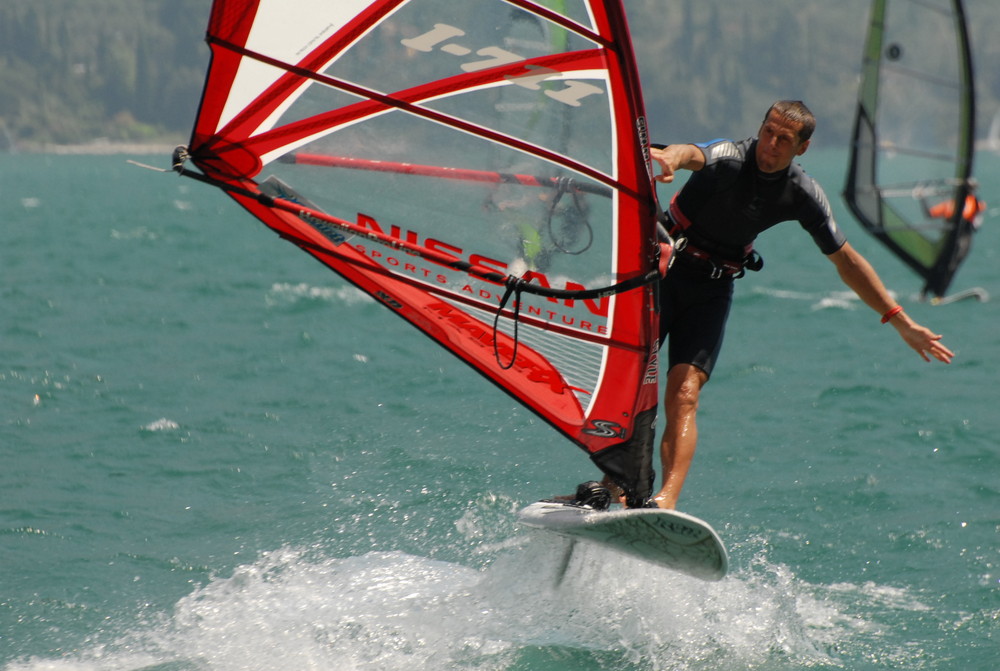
(778, 143)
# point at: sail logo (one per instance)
(330, 232)
(643, 132)
(440, 38)
(602, 428)
(456, 258)
(652, 369)
(388, 300)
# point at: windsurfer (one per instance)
(736, 191)
(973, 211)
(958, 245)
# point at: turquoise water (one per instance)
(218, 456)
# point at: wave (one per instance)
(299, 609)
(284, 293)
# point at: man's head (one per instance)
(784, 134)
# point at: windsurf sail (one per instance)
(480, 168)
(910, 173)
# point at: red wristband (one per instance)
(891, 313)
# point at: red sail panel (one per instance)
(479, 168)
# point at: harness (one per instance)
(718, 266)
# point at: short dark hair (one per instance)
(795, 110)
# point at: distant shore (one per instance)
(99, 147)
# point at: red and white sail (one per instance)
(480, 168)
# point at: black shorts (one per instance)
(693, 313)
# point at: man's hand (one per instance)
(926, 343)
(666, 169)
(676, 157)
(859, 275)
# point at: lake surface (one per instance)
(217, 455)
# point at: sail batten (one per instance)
(481, 169)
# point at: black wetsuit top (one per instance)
(724, 206)
(721, 210)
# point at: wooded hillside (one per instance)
(132, 70)
(120, 69)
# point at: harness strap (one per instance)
(719, 267)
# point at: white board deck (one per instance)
(665, 537)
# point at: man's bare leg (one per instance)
(684, 384)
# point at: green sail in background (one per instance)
(912, 152)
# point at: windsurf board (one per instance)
(668, 538)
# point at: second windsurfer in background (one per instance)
(958, 245)
(736, 191)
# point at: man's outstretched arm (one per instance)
(859, 275)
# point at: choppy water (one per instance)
(216, 455)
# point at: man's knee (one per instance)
(684, 384)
